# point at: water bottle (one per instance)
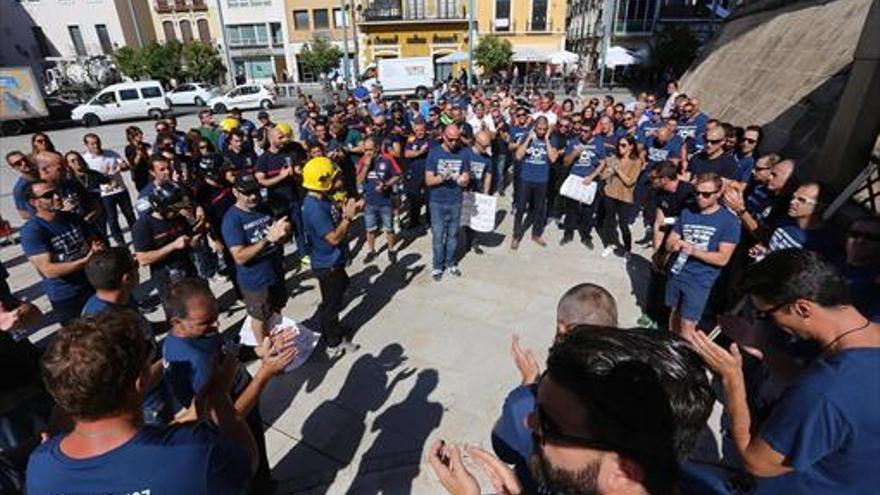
(680, 261)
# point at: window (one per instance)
(446, 9)
(248, 35)
(168, 29)
(128, 94)
(502, 15)
(539, 15)
(338, 20)
(186, 31)
(183, 88)
(151, 92)
(105, 98)
(104, 38)
(277, 34)
(300, 20)
(204, 30)
(42, 42)
(415, 9)
(322, 19)
(79, 46)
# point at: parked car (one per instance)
(244, 97)
(192, 94)
(126, 100)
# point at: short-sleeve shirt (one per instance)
(150, 233)
(320, 217)
(66, 238)
(481, 166)
(271, 164)
(787, 235)
(706, 232)
(511, 439)
(189, 363)
(440, 161)
(381, 171)
(658, 152)
(724, 165)
(673, 203)
(826, 426)
(744, 167)
(536, 162)
(243, 163)
(591, 153)
(190, 459)
(518, 134)
(246, 228)
(21, 202)
(107, 163)
(415, 172)
(142, 206)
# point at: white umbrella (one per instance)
(453, 58)
(617, 55)
(563, 57)
(529, 54)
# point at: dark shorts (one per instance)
(262, 304)
(689, 299)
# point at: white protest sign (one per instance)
(478, 211)
(574, 188)
(304, 340)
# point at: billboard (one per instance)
(20, 96)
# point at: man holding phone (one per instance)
(536, 154)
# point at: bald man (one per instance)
(447, 174)
(74, 196)
(481, 181)
(713, 159)
(278, 171)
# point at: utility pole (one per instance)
(137, 26)
(345, 69)
(230, 77)
(354, 37)
(607, 28)
(472, 35)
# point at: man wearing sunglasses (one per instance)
(862, 267)
(536, 154)
(745, 156)
(27, 173)
(821, 436)
(713, 159)
(803, 228)
(519, 129)
(59, 244)
(585, 157)
(704, 240)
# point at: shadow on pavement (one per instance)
(379, 293)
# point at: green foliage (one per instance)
(162, 61)
(675, 47)
(202, 62)
(320, 56)
(493, 53)
(129, 61)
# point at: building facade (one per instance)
(534, 27)
(254, 32)
(186, 20)
(308, 20)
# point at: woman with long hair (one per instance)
(137, 152)
(623, 172)
(40, 141)
(91, 180)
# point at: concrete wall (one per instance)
(783, 65)
(54, 16)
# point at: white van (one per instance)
(126, 100)
(405, 76)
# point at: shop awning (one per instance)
(452, 58)
(563, 57)
(530, 54)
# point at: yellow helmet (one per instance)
(285, 129)
(318, 174)
(228, 124)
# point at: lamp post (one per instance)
(345, 68)
(471, 40)
(230, 77)
(607, 28)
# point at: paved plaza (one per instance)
(434, 360)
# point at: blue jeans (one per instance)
(445, 222)
(299, 234)
(113, 204)
(500, 172)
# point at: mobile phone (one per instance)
(718, 336)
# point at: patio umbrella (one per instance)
(563, 57)
(618, 55)
(453, 58)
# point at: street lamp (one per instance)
(471, 41)
(224, 47)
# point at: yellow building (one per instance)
(185, 20)
(311, 19)
(434, 28)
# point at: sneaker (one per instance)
(539, 241)
(437, 275)
(370, 257)
(392, 256)
(565, 240)
(514, 244)
(607, 251)
(588, 242)
(347, 346)
(453, 270)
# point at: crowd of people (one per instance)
(746, 280)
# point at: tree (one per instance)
(129, 61)
(202, 62)
(163, 61)
(319, 56)
(493, 53)
(675, 47)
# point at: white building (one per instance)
(255, 33)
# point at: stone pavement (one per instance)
(434, 361)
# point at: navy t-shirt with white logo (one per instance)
(591, 153)
(150, 233)
(271, 164)
(66, 238)
(381, 171)
(246, 228)
(536, 162)
(705, 232)
(440, 161)
(481, 166)
(671, 149)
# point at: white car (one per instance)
(126, 100)
(192, 94)
(244, 97)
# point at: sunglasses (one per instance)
(715, 141)
(867, 236)
(705, 194)
(804, 200)
(50, 195)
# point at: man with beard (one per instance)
(160, 172)
(536, 154)
(378, 175)
(416, 152)
(603, 421)
(585, 155)
(243, 160)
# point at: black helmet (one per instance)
(168, 196)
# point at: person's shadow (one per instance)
(334, 430)
(379, 293)
(403, 430)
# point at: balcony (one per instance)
(393, 12)
(169, 6)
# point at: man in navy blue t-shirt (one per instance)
(482, 177)
(160, 173)
(93, 370)
(704, 240)
(519, 129)
(447, 172)
(416, 152)
(327, 226)
(713, 159)
(377, 175)
(821, 437)
(536, 154)
(59, 245)
(27, 173)
(585, 157)
(255, 238)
